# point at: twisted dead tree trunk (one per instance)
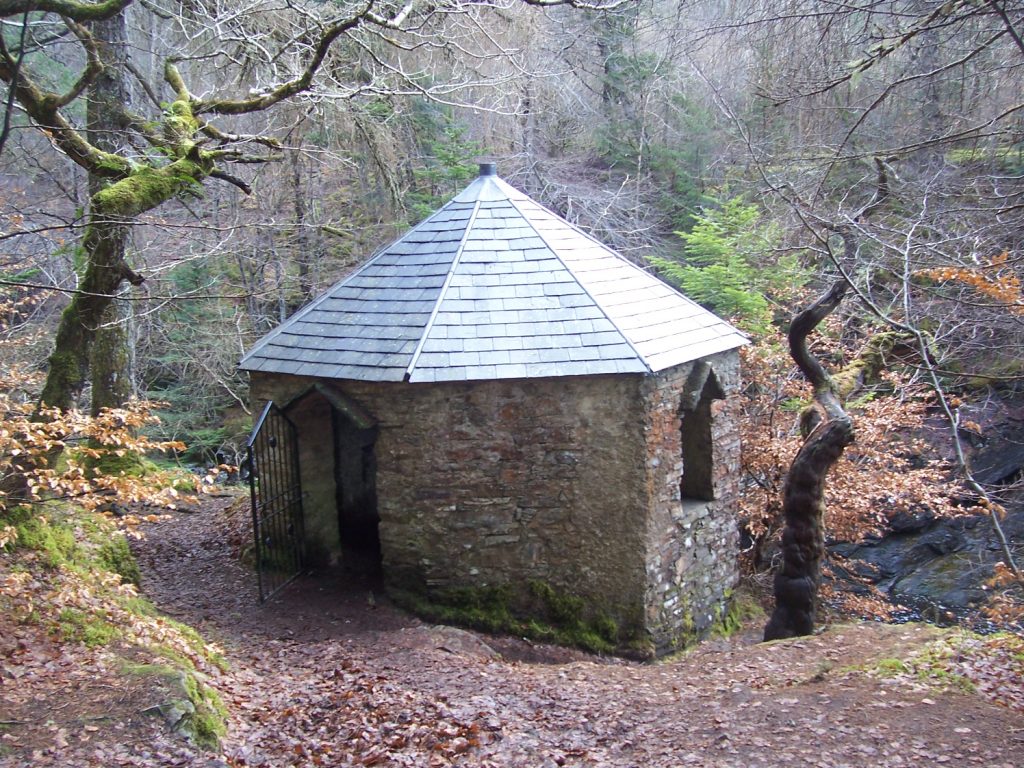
(827, 431)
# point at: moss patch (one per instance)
(190, 707)
(147, 187)
(54, 545)
(115, 555)
(76, 626)
(741, 609)
(127, 464)
(891, 667)
(542, 613)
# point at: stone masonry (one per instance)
(573, 481)
(692, 543)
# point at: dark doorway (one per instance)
(355, 475)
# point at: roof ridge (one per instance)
(441, 294)
(579, 282)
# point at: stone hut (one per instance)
(496, 399)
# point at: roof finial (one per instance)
(488, 169)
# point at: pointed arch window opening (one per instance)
(696, 424)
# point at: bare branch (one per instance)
(299, 84)
(231, 180)
(79, 11)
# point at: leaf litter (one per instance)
(329, 674)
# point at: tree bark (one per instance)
(106, 271)
(104, 274)
(828, 431)
(302, 247)
(108, 95)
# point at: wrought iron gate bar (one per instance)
(276, 491)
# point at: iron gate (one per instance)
(273, 462)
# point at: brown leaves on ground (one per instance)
(324, 676)
(894, 466)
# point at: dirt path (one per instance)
(333, 677)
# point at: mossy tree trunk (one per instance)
(828, 430)
(105, 272)
(108, 95)
(176, 143)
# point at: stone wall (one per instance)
(571, 481)
(692, 543)
(495, 483)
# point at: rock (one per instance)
(934, 567)
(941, 541)
(912, 522)
(1001, 460)
(952, 581)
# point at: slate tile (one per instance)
(579, 327)
(464, 358)
(554, 355)
(395, 360)
(504, 317)
(457, 305)
(433, 360)
(451, 373)
(483, 373)
(631, 365)
(511, 371)
(508, 342)
(574, 300)
(444, 345)
(495, 357)
(544, 370)
(615, 351)
(584, 353)
(602, 366)
(478, 345)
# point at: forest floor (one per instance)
(332, 675)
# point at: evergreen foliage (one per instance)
(448, 159)
(730, 264)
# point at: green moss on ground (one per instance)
(74, 626)
(891, 667)
(54, 545)
(114, 555)
(191, 707)
(64, 543)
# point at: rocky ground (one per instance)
(939, 567)
(328, 674)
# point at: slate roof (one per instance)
(492, 286)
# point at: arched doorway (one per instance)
(338, 467)
(355, 480)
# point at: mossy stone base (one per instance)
(540, 612)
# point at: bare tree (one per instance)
(224, 68)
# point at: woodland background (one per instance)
(176, 178)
